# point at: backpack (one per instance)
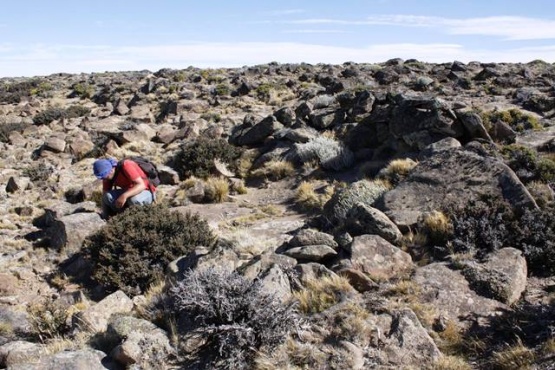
(147, 166)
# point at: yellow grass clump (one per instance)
(322, 293)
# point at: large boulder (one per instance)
(452, 178)
(450, 293)
(502, 276)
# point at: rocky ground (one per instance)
(336, 128)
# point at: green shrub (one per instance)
(480, 227)
(12, 93)
(46, 116)
(487, 225)
(263, 91)
(233, 316)
(83, 90)
(515, 118)
(75, 111)
(197, 158)
(222, 89)
(527, 164)
(133, 249)
(536, 237)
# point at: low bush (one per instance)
(134, 248)
(487, 225)
(77, 110)
(515, 118)
(11, 93)
(232, 316)
(48, 115)
(480, 227)
(53, 113)
(197, 158)
(331, 154)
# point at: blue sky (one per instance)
(41, 37)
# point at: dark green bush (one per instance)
(77, 111)
(528, 164)
(222, 89)
(536, 237)
(233, 316)
(12, 93)
(481, 227)
(83, 90)
(197, 158)
(487, 225)
(50, 114)
(46, 116)
(134, 248)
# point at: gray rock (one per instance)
(89, 359)
(503, 276)
(68, 232)
(314, 253)
(312, 237)
(449, 292)
(452, 178)
(378, 258)
(363, 191)
(19, 352)
(96, 318)
(142, 343)
(363, 219)
(408, 343)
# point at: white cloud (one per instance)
(315, 31)
(512, 28)
(44, 60)
(277, 13)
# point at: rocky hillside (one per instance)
(354, 216)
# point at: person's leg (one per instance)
(143, 198)
(109, 203)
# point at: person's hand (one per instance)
(120, 202)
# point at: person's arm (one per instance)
(138, 186)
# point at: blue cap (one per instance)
(102, 167)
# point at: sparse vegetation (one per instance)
(48, 319)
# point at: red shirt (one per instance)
(123, 178)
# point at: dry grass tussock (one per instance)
(322, 293)
(275, 170)
(216, 189)
(513, 358)
(308, 198)
(397, 170)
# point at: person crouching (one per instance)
(124, 184)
